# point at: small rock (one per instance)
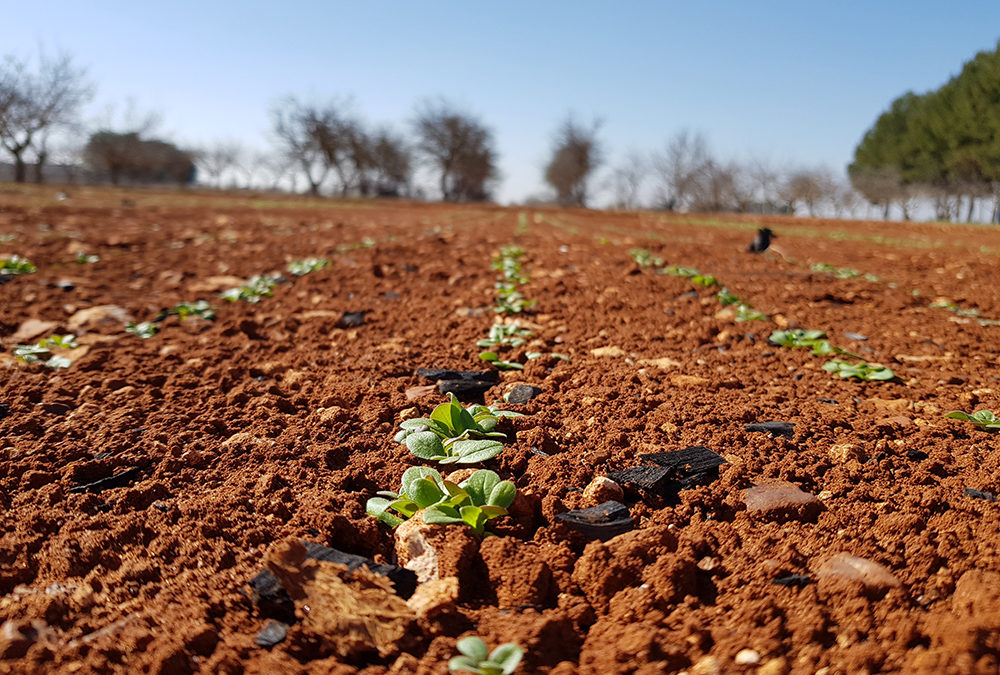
(522, 393)
(706, 665)
(916, 455)
(845, 452)
(603, 352)
(747, 657)
(352, 319)
(688, 381)
(846, 566)
(792, 580)
(65, 285)
(603, 489)
(778, 666)
(101, 316)
(896, 421)
(773, 427)
(420, 391)
(663, 363)
(781, 500)
(599, 522)
(435, 551)
(31, 329)
(977, 494)
(855, 336)
(435, 598)
(271, 634)
(466, 391)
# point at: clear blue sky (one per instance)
(794, 82)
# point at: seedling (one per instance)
(15, 264)
(367, 242)
(477, 658)
(43, 350)
(643, 258)
(696, 277)
(300, 268)
(476, 500)
(748, 313)
(726, 297)
(511, 301)
(253, 290)
(505, 334)
(500, 364)
(983, 419)
(87, 259)
(842, 272)
(863, 371)
(453, 434)
(199, 308)
(145, 329)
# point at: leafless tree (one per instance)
(627, 179)
(460, 148)
(678, 168)
(881, 187)
(392, 164)
(576, 153)
(295, 125)
(718, 187)
(32, 102)
(810, 188)
(220, 157)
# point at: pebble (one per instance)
(747, 657)
(522, 393)
(773, 427)
(869, 573)
(272, 633)
(608, 351)
(603, 489)
(781, 500)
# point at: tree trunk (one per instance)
(39, 166)
(20, 168)
(972, 205)
(885, 211)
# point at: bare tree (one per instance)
(882, 186)
(460, 148)
(627, 179)
(576, 153)
(295, 126)
(809, 187)
(220, 157)
(718, 187)
(34, 102)
(678, 168)
(392, 163)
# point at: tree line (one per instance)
(938, 146)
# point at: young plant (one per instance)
(500, 364)
(43, 350)
(509, 334)
(748, 313)
(726, 297)
(696, 277)
(84, 259)
(643, 258)
(810, 339)
(300, 268)
(199, 308)
(453, 434)
(868, 372)
(476, 657)
(253, 290)
(15, 264)
(145, 329)
(475, 501)
(983, 419)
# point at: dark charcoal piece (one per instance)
(599, 522)
(352, 319)
(979, 494)
(65, 285)
(793, 580)
(271, 634)
(438, 374)
(6, 279)
(467, 391)
(4, 410)
(272, 600)
(696, 465)
(856, 336)
(916, 455)
(772, 427)
(116, 481)
(654, 479)
(831, 401)
(522, 393)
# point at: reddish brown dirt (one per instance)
(273, 422)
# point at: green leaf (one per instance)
(376, 506)
(480, 484)
(405, 506)
(507, 656)
(493, 511)
(502, 494)
(425, 445)
(959, 415)
(463, 663)
(474, 648)
(489, 356)
(474, 517)
(441, 514)
(426, 492)
(449, 414)
(416, 473)
(471, 452)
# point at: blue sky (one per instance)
(791, 82)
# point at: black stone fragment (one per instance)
(103, 455)
(522, 393)
(652, 479)
(65, 285)
(689, 467)
(831, 401)
(6, 279)
(272, 600)
(438, 374)
(466, 391)
(980, 494)
(352, 319)
(4, 410)
(116, 481)
(792, 580)
(855, 336)
(271, 634)
(599, 522)
(391, 295)
(772, 427)
(916, 455)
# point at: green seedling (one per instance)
(696, 277)
(145, 329)
(643, 258)
(983, 419)
(253, 290)
(726, 297)
(748, 313)
(811, 339)
(300, 268)
(15, 264)
(7, 238)
(199, 308)
(43, 350)
(453, 434)
(510, 301)
(869, 372)
(476, 500)
(367, 242)
(494, 360)
(476, 657)
(509, 334)
(87, 259)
